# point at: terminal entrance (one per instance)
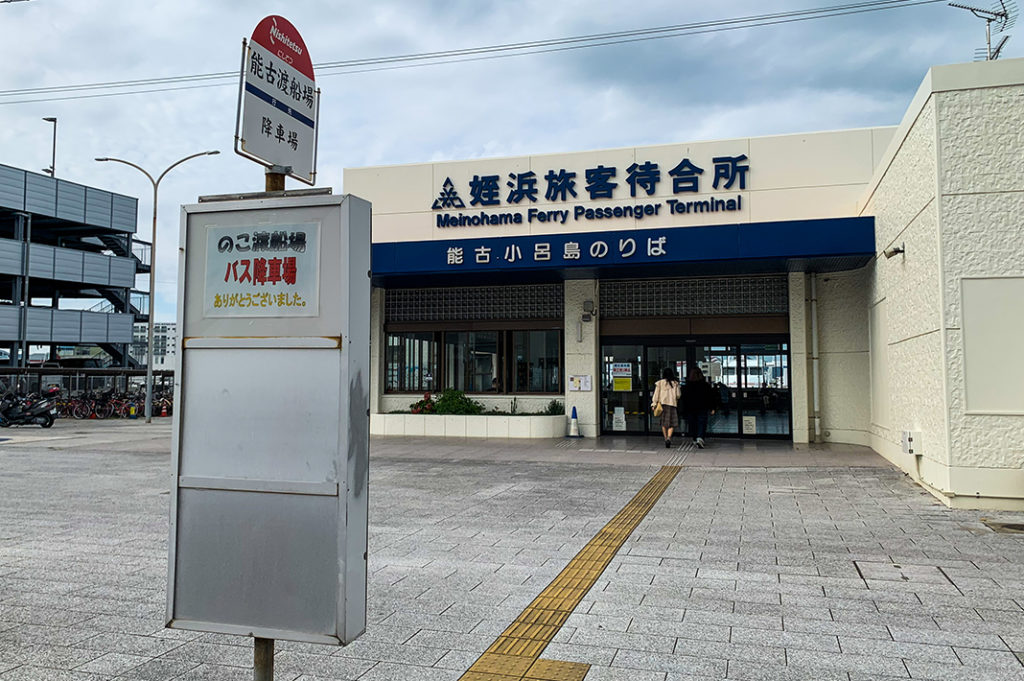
(750, 376)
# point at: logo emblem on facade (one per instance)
(448, 198)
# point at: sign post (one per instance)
(271, 435)
(278, 104)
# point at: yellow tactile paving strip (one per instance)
(515, 655)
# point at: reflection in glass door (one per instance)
(658, 358)
(765, 394)
(718, 362)
(623, 397)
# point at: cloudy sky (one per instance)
(834, 73)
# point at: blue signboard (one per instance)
(781, 241)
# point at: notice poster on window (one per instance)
(263, 271)
(622, 370)
(619, 419)
(750, 425)
(622, 385)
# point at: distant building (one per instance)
(68, 262)
(165, 335)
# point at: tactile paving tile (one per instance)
(555, 670)
(514, 655)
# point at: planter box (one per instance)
(484, 426)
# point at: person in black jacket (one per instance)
(698, 399)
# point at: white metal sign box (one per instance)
(271, 434)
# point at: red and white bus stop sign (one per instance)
(278, 100)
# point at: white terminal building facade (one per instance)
(858, 286)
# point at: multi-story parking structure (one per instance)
(68, 262)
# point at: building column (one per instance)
(799, 358)
(582, 352)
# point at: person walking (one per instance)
(666, 395)
(698, 399)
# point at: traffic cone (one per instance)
(163, 410)
(574, 425)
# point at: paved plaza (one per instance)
(757, 562)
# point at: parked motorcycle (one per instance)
(18, 410)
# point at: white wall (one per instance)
(582, 356)
(843, 356)
(949, 191)
(981, 150)
(801, 176)
(800, 358)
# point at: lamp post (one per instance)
(152, 267)
(52, 170)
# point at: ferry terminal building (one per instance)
(859, 286)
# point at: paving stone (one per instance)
(32, 673)
(292, 664)
(750, 571)
(112, 664)
(661, 662)
(784, 639)
(385, 671)
(216, 672)
(743, 670)
(898, 649)
(944, 672)
(161, 670)
(846, 662)
(947, 638)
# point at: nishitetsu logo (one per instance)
(275, 32)
(448, 198)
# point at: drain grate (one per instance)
(1004, 528)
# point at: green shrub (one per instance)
(456, 402)
(554, 408)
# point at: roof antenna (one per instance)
(1003, 15)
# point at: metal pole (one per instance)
(263, 659)
(152, 311)
(52, 170)
(152, 266)
(53, 156)
(275, 178)
(815, 370)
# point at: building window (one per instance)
(471, 361)
(411, 362)
(527, 361)
(536, 361)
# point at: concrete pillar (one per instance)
(799, 358)
(582, 353)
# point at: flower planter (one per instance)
(483, 426)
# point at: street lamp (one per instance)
(53, 159)
(152, 268)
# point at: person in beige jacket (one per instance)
(667, 392)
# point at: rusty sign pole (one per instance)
(275, 178)
(263, 660)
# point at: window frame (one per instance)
(505, 362)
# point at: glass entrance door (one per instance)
(751, 380)
(718, 363)
(765, 398)
(660, 357)
(624, 404)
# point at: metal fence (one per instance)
(76, 381)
